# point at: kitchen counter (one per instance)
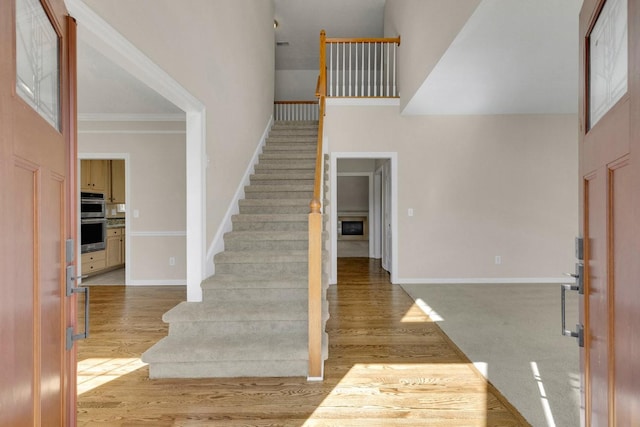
(115, 222)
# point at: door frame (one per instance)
(372, 214)
(103, 37)
(127, 201)
(392, 157)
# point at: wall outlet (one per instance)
(172, 260)
(498, 259)
(136, 213)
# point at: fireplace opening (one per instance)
(353, 228)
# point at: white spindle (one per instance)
(330, 69)
(388, 92)
(369, 71)
(362, 74)
(350, 65)
(394, 69)
(381, 69)
(344, 68)
(375, 68)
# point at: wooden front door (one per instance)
(37, 137)
(610, 210)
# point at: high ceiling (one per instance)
(510, 57)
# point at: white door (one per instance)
(386, 216)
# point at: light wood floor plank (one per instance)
(388, 365)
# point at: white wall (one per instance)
(427, 28)
(156, 189)
(222, 52)
(296, 85)
(480, 186)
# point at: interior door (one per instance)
(610, 210)
(37, 383)
(386, 216)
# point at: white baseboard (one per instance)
(217, 244)
(485, 281)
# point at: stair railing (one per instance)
(315, 237)
(295, 110)
(360, 67)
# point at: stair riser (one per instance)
(212, 329)
(280, 195)
(265, 294)
(288, 156)
(284, 165)
(230, 369)
(266, 245)
(283, 268)
(270, 226)
(278, 147)
(281, 181)
(274, 209)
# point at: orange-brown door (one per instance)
(37, 135)
(610, 210)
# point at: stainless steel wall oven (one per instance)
(93, 222)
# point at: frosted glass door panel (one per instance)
(608, 59)
(37, 60)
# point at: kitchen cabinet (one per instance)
(94, 175)
(115, 247)
(93, 262)
(117, 182)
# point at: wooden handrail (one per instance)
(315, 236)
(294, 102)
(395, 40)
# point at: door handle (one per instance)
(72, 289)
(578, 286)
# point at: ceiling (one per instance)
(510, 57)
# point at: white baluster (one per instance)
(394, 69)
(330, 69)
(362, 74)
(375, 69)
(369, 71)
(388, 92)
(344, 69)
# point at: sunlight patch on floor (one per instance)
(543, 396)
(368, 391)
(418, 310)
(95, 372)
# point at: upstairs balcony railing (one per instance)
(359, 67)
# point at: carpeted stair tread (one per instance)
(270, 218)
(261, 257)
(234, 281)
(236, 311)
(266, 235)
(232, 348)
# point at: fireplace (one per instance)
(353, 227)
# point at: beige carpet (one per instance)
(512, 332)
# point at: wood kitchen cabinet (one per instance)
(94, 175)
(115, 247)
(93, 262)
(117, 182)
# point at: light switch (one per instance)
(410, 212)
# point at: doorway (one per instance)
(106, 175)
(381, 202)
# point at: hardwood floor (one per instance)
(388, 365)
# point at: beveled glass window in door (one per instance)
(38, 60)
(607, 59)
